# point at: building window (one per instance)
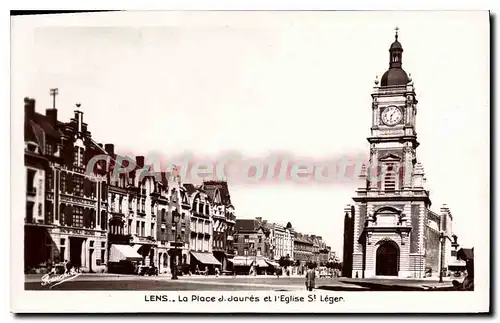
(63, 182)
(246, 239)
(152, 229)
(78, 216)
(129, 227)
(49, 179)
(63, 250)
(390, 178)
(30, 188)
(75, 156)
(103, 253)
(48, 149)
(80, 158)
(120, 202)
(258, 252)
(78, 185)
(137, 228)
(143, 229)
(245, 252)
(143, 205)
(260, 239)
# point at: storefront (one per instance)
(204, 263)
(123, 259)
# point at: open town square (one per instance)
(98, 218)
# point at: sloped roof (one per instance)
(247, 225)
(211, 186)
(190, 188)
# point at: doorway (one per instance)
(75, 251)
(91, 253)
(387, 260)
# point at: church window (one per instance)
(390, 178)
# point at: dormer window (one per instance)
(32, 147)
(78, 156)
(48, 149)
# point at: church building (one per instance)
(390, 229)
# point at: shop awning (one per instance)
(272, 263)
(262, 263)
(206, 258)
(242, 262)
(120, 252)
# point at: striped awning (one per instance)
(242, 261)
(272, 263)
(206, 258)
(123, 252)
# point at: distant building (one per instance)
(224, 220)
(250, 238)
(280, 240)
(202, 229)
(303, 249)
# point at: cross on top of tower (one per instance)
(396, 29)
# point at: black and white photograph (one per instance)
(250, 161)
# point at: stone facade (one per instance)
(394, 231)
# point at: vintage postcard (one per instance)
(251, 162)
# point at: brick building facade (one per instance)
(66, 209)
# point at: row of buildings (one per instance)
(262, 239)
(94, 219)
(100, 219)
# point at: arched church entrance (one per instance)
(387, 259)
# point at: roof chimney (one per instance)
(52, 116)
(29, 107)
(110, 149)
(139, 161)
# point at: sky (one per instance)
(262, 82)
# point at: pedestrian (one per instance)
(216, 271)
(278, 272)
(206, 270)
(67, 266)
(468, 282)
(310, 278)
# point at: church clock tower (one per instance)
(390, 208)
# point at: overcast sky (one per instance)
(258, 82)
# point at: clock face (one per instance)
(391, 116)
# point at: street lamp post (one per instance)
(441, 240)
(175, 220)
(255, 259)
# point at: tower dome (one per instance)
(395, 75)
